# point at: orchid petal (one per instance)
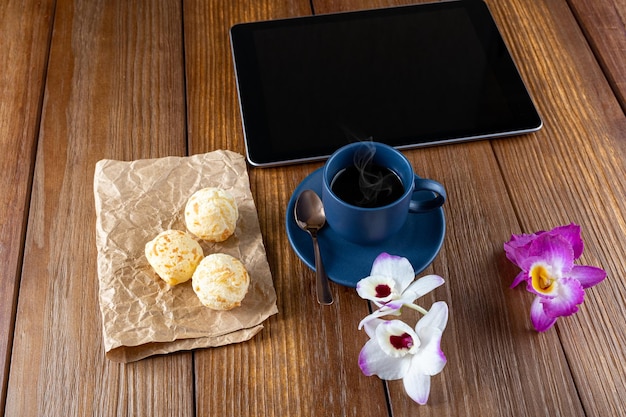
(371, 321)
(395, 305)
(516, 248)
(373, 361)
(571, 233)
(553, 250)
(377, 288)
(396, 267)
(570, 295)
(540, 320)
(437, 317)
(521, 277)
(422, 286)
(417, 386)
(588, 276)
(430, 357)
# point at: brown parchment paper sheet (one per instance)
(141, 314)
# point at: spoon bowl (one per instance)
(310, 217)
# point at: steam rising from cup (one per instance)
(375, 183)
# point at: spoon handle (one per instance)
(324, 295)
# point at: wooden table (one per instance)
(85, 80)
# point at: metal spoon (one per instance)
(310, 217)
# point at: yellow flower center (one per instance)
(542, 280)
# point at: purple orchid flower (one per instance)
(547, 263)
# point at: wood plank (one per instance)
(604, 25)
(25, 29)
(574, 170)
(115, 89)
(305, 361)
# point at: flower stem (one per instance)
(417, 308)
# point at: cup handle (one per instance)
(419, 204)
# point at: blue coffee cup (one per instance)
(366, 225)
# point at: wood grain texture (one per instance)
(25, 29)
(213, 110)
(115, 89)
(553, 178)
(151, 78)
(305, 361)
(604, 25)
(488, 338)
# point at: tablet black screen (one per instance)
(407, 76)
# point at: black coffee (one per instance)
(369, 186)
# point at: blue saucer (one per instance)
(347, 263)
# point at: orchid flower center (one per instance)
(383, 290)
(404, 341)
(542, 280)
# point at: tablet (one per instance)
(408, 76)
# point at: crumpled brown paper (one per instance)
(141, 314)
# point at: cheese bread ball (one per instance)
(221, 281)
(174, 255)
(211, 214)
